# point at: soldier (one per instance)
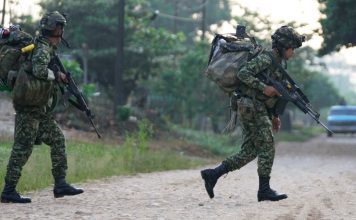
(256, 105)
(35, 123)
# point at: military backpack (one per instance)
(229, 52)
(14, 47)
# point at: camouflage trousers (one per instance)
(257, 139)
(34, 124)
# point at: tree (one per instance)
(321, 91)
(184, 94)
(186, 15)
(337, 24)
(95, 23)
(166, 64)
(26, 23)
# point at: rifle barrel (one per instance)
(96, 130)
(319, 122)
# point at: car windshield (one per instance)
(343, 112)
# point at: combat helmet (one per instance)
(50, 20)
(287, 37)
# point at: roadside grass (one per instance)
(299, 134)
(224, 145)
(218, 144)
(88, 161)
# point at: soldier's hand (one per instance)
(62, 77)
(276, 124)
(270, 91)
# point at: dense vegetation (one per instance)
(165, 56)
(165, 53)
(337, 24)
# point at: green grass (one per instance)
(218, 144)
(299, 134)
(224, 145)
(88, 161)
(92, 161)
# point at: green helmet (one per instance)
(287, 37)
(50, 20)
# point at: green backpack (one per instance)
(229, 52)
(13, 51)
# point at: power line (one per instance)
(178, 17)
(196, 8)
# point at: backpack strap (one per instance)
(257, 51)
(275, 64)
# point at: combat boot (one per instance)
(211, 176)
(266, 193)
(10, 195)
(62, 188)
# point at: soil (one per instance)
(318, 175)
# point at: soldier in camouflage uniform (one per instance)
(35, 123)
(256, 110)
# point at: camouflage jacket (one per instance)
(42, 55)
(253, 87)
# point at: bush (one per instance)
(123, 113)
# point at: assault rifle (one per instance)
(291, 92)
(71, 89)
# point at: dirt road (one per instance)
(319, 177)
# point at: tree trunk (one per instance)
(119, 64)
(3, 13)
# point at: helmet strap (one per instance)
(65, 42)
(281, 51)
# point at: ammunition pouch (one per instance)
(31, 91)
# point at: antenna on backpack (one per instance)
(241, 34)
(241, 31)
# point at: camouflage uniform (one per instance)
(36, 123)
(255, 117)
(34, 87)
(255, 111)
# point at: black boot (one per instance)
(211, 176)
(10, 195)
(62, 188)
(266, 193)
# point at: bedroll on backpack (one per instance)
(228, 54)
(11, 55)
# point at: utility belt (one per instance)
(240, 99)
